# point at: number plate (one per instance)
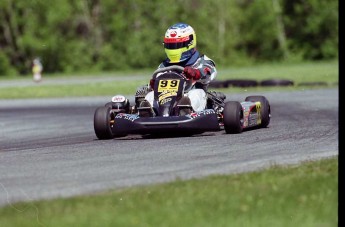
(168, 85)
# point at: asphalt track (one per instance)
(48, 148)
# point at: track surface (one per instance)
(48, 147)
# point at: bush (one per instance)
(5, 66)
(72, 36)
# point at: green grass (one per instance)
(326, 71)
(76, 90)
(298, 72)
(300, 195)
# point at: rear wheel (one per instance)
(265, 110)
(102, 123)
(233, 117)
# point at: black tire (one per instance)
(265, 110)
(276, 82)
(217, 84)
(233, 117)
(101, 123)
(242, 83)
(313, 84)
(109, 104)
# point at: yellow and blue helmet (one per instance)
(179, 42)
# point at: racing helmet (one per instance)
(179, 42)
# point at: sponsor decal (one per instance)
(176, 40)
(252, 119)
(166, 94)
(130, 117)
(202, 113)
(163, 101)
(118, 98)
(258, 110)
(245, 122)
(173, 34)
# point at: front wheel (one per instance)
(102, 123)
(265, 110)
(233, 117)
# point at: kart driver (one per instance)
(180, 48)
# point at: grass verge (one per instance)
(303, 195)
(298, 72)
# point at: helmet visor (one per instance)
(177, 43)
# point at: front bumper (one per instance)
(199, 122)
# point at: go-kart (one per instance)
(118, 118)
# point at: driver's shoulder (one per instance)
(207, 59)
(161, 65)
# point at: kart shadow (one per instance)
(175, 135)
(182, 135)
(165, 136)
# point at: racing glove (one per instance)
(192, 73)
(152, 83)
